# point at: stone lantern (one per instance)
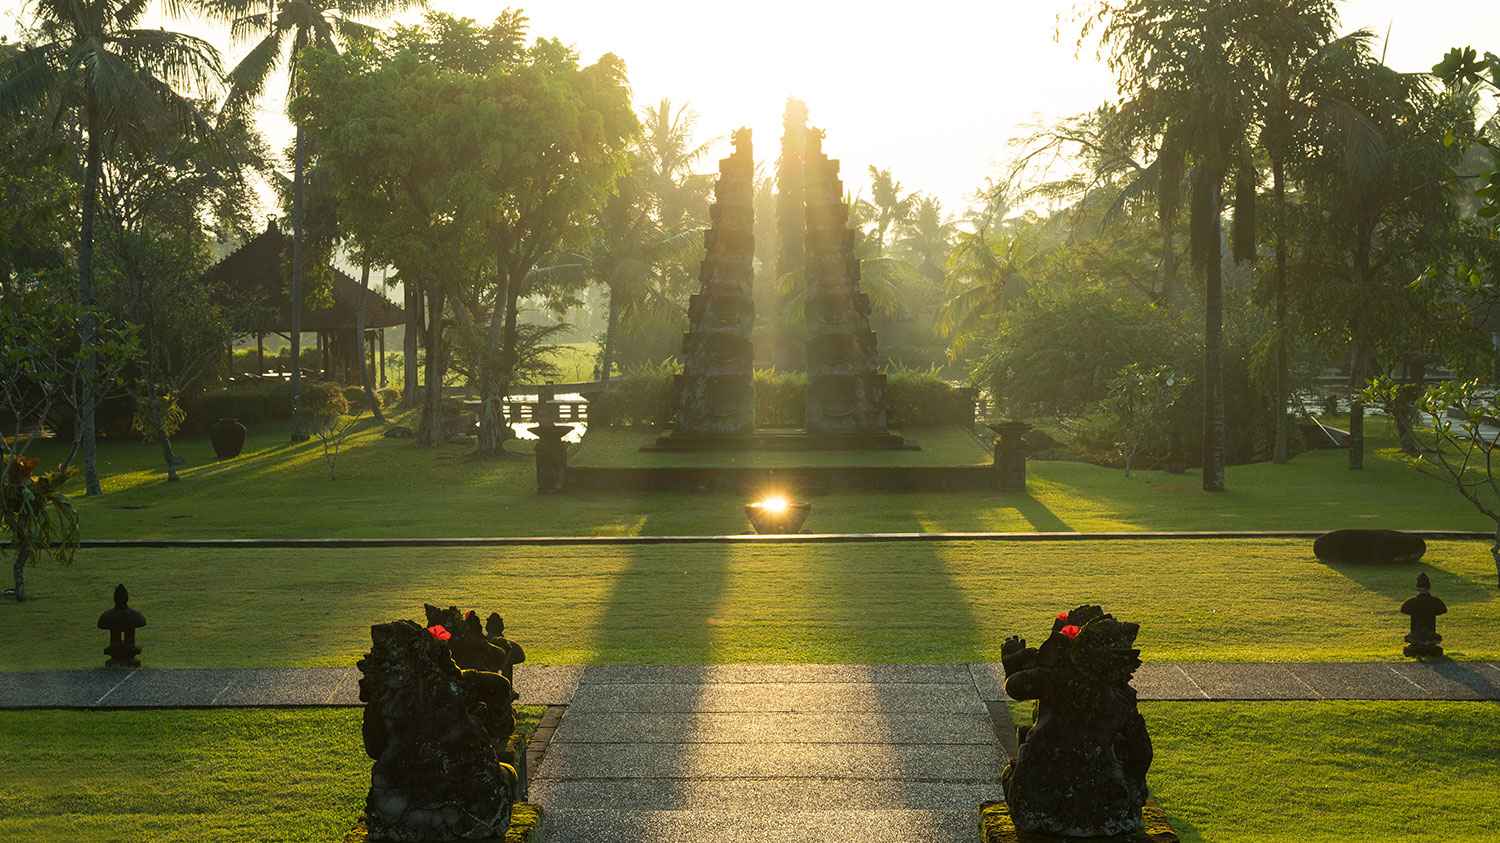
(551, 451)
(122, 622)
(1010, 455)
(1423, 641)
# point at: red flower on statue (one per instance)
(1071, 630)
(1063, 615)
(439, 632)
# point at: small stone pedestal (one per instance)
(1010, 455)
(996, 826)
(551, 458)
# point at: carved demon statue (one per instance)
(1081, 769)
(437, 718)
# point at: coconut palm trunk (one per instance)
(366, 377)
(1282, 377)
(18, 570)
(299, 210)
(88, 388)
(1213, 357)
(607, 356)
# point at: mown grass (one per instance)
(1303, 771)
(391, 487)
(715, 603)
(188, 775)
(1331, 770)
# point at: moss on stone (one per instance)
(996, 826)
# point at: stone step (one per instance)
(780, 674)
(761, 824)
(806, 795)
(958, 763)
(760, 727)
(921, 699)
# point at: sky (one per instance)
(937, 91)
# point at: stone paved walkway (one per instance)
(557, 685)
(763, 753)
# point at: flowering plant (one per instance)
(439, 632)
(1071, 631)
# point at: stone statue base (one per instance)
(996, 826)
(525, 827)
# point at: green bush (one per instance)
(389, 396)
(250, 403)
(324, 401)
(642, 397)
(917, 398)
(354, 396)
(780, 398)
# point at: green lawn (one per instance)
(390, 487)
(1241, 771)
(227, 774)
(711, 603)
(622, 449)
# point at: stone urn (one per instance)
(228, 438)
(777, 515)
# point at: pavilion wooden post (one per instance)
(381, 337)
(260, 353)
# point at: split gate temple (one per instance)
(715, 394)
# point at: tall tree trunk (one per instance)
(607, 356)
(23, 553)
(1362, 246)
(1213, 354)
(87, 330)
(432, 427)
(299, 210)
(1356, 407)
(494, 375)
(1282, 378)
(366, 377)
(1169, 281)
(413, 333)
(167, 455)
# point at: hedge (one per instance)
(643, 397)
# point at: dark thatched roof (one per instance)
(257, 274)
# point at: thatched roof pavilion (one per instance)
(257, 275)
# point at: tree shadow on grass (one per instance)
(664, 604)
(1037, 514)
(1398, 582)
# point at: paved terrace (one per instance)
(755, 753)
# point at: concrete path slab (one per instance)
(743, 727)
(921, 699)
(760, 825)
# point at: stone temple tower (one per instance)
(845, 390)
(715, 392)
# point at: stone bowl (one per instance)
(1369, 547)
(768, 521)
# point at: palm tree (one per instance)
(91, 66)
(987, 269)
(283, 29)
(926, 238)
(1182, 67)
(1298, 59)
(665, 159)
(890, 208)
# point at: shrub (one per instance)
(642, 397)
(354, 396)
(324, 401)
(780, 398)
(918, 398)
(250, 403)
(389, 396)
